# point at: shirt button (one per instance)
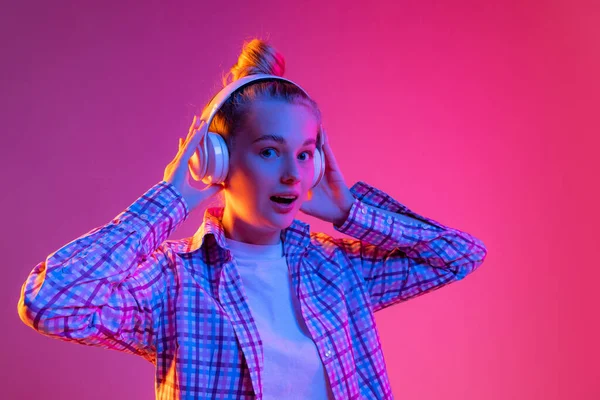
(328, 353)
(363, 210)
(144, 217)
(390, 220)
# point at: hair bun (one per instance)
(257, 57)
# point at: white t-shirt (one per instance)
(292, 366)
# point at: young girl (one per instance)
(254, 305)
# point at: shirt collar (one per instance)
(295, 237)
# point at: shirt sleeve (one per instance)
(401, 258)
(105, 288)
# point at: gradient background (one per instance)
(483, 116)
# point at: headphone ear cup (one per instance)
(217, 159)
(319, 158)
(197, 164)
(319, 162)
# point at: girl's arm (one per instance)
(105, 288)
(402, 254)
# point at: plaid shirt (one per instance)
(181, 305)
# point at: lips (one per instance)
(282, 205)
(283, 199)
(286, 194)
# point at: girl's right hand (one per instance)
(177, 171)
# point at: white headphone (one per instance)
(210, 161)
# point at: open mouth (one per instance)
(283, 200)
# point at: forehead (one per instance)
(277, 117)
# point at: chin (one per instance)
(284, 220)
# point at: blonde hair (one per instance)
(257, 57)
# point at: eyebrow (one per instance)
(281, 140)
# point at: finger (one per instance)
(195, 123)
(327, 150)
(331, 162)
(325, 139)
(179, 143)
(193, 140)
(194, 127)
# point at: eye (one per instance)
(310, 155)
(266, 150)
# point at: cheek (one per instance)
(309, 174)
(247, 180)
(260, 174)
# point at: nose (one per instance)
(291, 172)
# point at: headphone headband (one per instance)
(225, 93)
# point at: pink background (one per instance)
(483, 116)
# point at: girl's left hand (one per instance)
(331, 199)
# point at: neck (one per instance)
(237, 229)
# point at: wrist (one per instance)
(345, 211)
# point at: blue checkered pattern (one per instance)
(180, 304)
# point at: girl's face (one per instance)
(273, 154)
